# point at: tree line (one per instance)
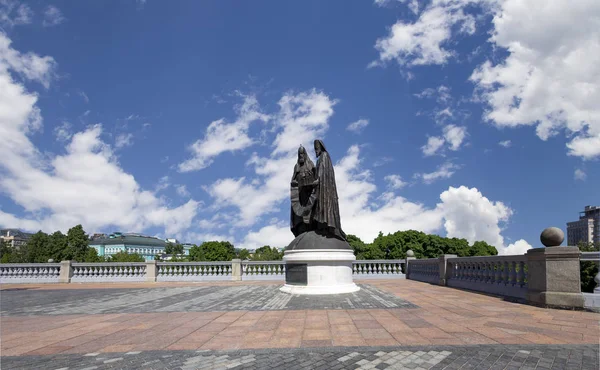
(74, 246)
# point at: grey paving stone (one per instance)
(188, 299)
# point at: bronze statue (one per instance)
(314, 195)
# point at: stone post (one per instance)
(410, 255)
(443, 268)
(553, 272)
(236, 269)
(151, 271)
(66, 272)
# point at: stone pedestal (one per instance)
(316, 264)
(553, 277)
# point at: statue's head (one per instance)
(301, 155)
(319, 147)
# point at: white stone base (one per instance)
(329, 271)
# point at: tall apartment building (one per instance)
(587, 229)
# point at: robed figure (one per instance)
(326, 213)
(302, 194)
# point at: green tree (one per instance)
(92, 256)
(213, 251)
(36, 249)
(174, 248)
(77, 243)
(267, 253)
(358, 246)
(57, 246)
(242, 254)
(482, 248)
(588, 269)
(7, 253)
(123, 256)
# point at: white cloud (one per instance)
(413, 5)
(470, 215)
(13, 13)
(424, 41)
(52, 16)
(550, 77)
(441, 93)
(445, 171)
(124, 139)
(71, 187)
(84, 96)
(580, 174)
(434, 144)
(302, 117)
(63, 131)
(182, 191)
(31, 66)
(517, 248)
(163, 183)
(395, 182)
(222, 137)
(278, 235)
(455, 135)
(358, 126)
(505, 143)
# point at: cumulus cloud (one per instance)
(221, 136)
(453, 135)
(13, 13)
(434, 144)
(580, 174)
(278, 235)
(63, 131)
(395, 182)
(549, 79)
(71, 187)
(124, 139)
(518, 247)
(444, 171)
(462, 212)
(52, 16)
(358, 126)
(505, 143)
(425, 41)
(301, 118)
(470, 215)
(182, 191)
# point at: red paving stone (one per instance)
(444, 316)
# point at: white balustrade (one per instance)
(84, 272)
(502, 275)
(378, 269)
(11, 273)
(263, 270)
(426, 270)
(193, 271)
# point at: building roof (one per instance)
(130, 240)
(16, 233)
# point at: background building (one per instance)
(14, 237)
(587, 229)
(146, 246)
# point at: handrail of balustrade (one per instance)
(590, 256)
(424, 261)
(107, 264)
(513, 258)
(193, 263)
(263, 262)
(378, 261)
(26, 265)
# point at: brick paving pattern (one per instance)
(584, 357)
(159, 325)
(187, 299)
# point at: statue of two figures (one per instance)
(314, 195)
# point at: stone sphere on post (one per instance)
(552, 237)
(410, 253)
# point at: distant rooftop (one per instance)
(129, 239)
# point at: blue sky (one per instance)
(467, 118)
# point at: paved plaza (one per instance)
(387, 324)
